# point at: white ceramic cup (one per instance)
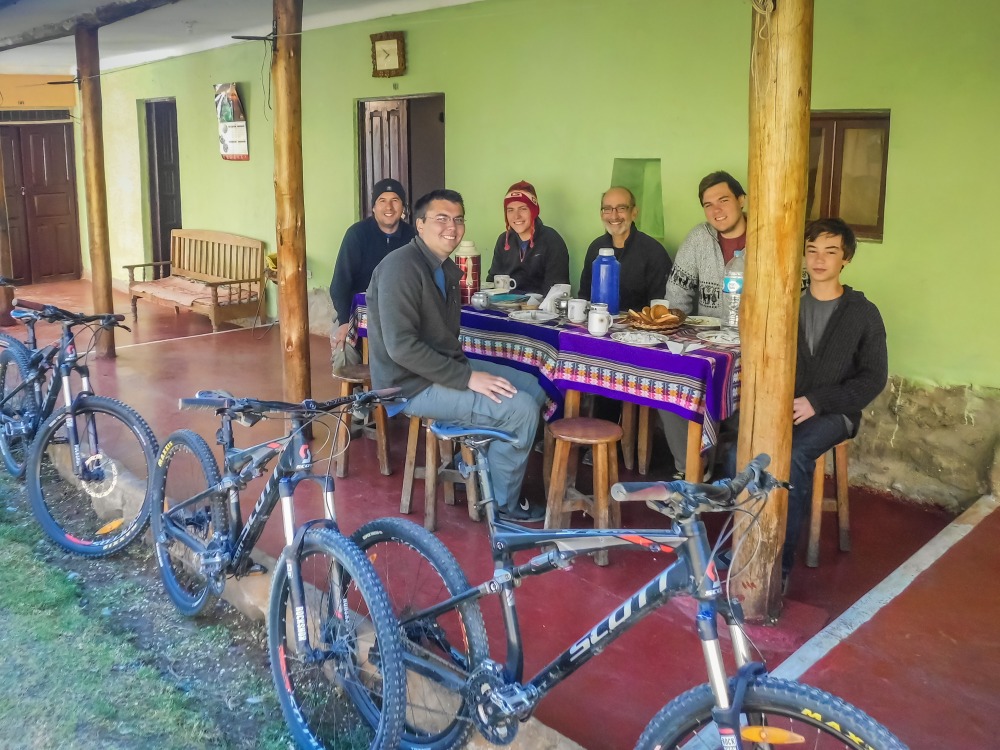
(504, 283)
(664, 302)
(576, 310)
(599, 320)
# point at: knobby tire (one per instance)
(351, 691)
(417, 570)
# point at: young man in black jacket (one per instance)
(842, 365)
(365, 244)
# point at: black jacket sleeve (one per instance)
(556, 260)
(344, 283)
(868, 377)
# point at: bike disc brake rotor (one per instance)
(100, 475)
(495, 725)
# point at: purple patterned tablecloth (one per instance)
(693, 385)
(704, 382)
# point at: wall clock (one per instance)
(388, 54)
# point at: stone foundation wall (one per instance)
(933, 445)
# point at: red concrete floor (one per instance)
(610, 700)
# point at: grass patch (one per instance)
(69, 680)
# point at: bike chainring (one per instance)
(494, 724)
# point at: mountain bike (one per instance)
(335, 647)
(87, 464)
(454, 686)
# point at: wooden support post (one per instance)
(780, 82)
(6, 262)
(293, 311)
(88, 64)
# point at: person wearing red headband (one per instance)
(528, 250)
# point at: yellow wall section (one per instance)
(552, 91)
(34, 92)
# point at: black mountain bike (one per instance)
(87, 464)
(454, 686)
(335, 647)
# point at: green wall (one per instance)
(553, 91)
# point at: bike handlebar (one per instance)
(55, 314)
(681, 499)
(219, 401)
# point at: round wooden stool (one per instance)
(439, 453)
(821, 503)
(378, 428)
(564, 498)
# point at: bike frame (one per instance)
(693, 573)
(240, 466)
(67, 362)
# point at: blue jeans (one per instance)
(810, 440)
(518, 415)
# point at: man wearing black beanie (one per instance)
(365, 245)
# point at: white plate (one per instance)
(725, 338)
(637, 338)
(532, 316)
(702, 321)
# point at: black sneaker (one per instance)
(523, 512)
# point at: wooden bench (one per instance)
(211, 273)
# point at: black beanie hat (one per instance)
(388, 185)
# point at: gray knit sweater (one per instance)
(697, 273)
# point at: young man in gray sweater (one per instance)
(695, 282)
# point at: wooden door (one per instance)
(164, 177)
(49, 175)
(10, 144)
(385, 145)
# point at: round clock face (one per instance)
(386, 55)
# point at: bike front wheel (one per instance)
(19, 412)
(88, 476)
(184, 469)
(348, 688)
(418, 571)
(775, 712)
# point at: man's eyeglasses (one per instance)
(444, 220)
(607, 210)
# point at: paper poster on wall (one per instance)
(232, 123)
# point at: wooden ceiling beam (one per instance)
(99, 16)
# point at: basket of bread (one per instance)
(656, 318)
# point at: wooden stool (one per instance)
(564, 498)
(439, 453)
(631, 431)
(351, 376)
(820, 503)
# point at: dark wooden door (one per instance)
(164, 176)
(49, 174)
(385, 146)
(10, 144)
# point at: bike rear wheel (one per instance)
(417, 571)
(350, 691)
(184, 468)
(100, 506)
(823, 721)
(20, 409)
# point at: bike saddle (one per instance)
(455, 432)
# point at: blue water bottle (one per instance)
(604, 279)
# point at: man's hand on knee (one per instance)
(339, 336)
(491, 386)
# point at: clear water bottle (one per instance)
(604, 279)
(732, 292)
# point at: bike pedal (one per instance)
(254, 570)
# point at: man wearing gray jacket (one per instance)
(695, 283)
(414, 316)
